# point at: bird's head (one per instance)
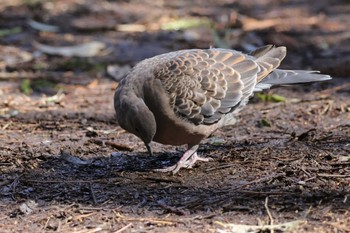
(135, 117)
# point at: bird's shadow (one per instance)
(140, 162)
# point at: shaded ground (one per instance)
(66, 165)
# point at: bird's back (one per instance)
(205, 85)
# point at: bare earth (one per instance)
(65, 164)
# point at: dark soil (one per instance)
(65, 164)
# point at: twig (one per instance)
(103, 181)
(159, 180)
(123, 228)
(306, 172)
(119, 146)
(250, 24)
(220, 167)
(92, 194)
(333, 175)
(175, 210)
(6, 125)
(345, 199)
(46, 223)
(22, 75)
(58, 229)
(13, 186)
(114, 145)
(261, 180)
(269, 213)
(65, 155)
(284, 227)
(97, 229)
(152, 220)
(82, 216)
(261, 192)
(330, 91)
(339, 163)
(311, 178)
(54, 76)
(338, 226)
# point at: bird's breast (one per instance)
(175, 132)
(171, 128)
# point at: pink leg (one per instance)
(194, 158)
(187, 161)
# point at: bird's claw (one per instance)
(184, 162)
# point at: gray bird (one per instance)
(182, 97)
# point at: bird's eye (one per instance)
(137, 130)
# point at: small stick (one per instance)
(333, 175)
(123, 228)
(338, 226)
(269, 213)
(92, 194)
(330, 91)
(177, 211)
(261, 180)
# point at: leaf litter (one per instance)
(290, 146)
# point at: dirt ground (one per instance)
(66, 166)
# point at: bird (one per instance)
(182, 97)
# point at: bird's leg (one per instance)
(149, 149)
(194, 158)
(187, 160)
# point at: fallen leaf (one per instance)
(43, 27)
(185, 23)
(11, 56)
(11, 31)
(89, 49)
(118, 72)
(240, 228)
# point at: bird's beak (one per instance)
(149, 148)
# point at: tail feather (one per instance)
(268, 59)
(289, 77)
(261, 51)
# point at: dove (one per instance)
(182, 97)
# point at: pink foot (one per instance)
(194, 158)
(187, 161)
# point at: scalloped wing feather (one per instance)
(204, 85)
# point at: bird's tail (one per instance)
(269, 58)
(289, 77)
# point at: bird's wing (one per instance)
(204, 85)
(268, 58)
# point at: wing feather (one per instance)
(204, 85)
